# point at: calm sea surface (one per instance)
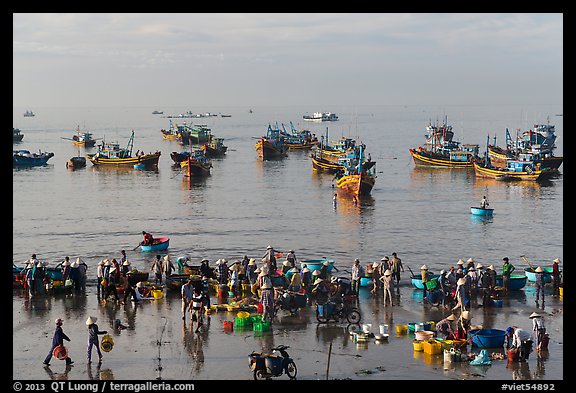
(247, 204)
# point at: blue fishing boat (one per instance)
(316, 264)
(26, 158)
(159, 244)
(479, 211)
(516, 281)
(531, 274)
(487, 338)
(272, 146)
(417, 280)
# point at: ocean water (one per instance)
(246, 204)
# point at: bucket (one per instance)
(384, 329)
(366, 327)
(401, 329)
(448, 356)
(418, 327)
(228, 325)
(243, 315)
(432, 347)
(418, 346)
(512, 355)
(157, 293)
(107, 343)
(424, 335)
(260, 308)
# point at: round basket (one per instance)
(107, 343)
(60, 352)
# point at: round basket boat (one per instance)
(487, 338)
(531, 274)
(478, 211)
(316, 264)
(159, 244)
(516, 281)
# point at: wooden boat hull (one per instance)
(21, 161)
(89, 143)
(516, 281)
(322, 165)
(301, 146)
(136, 277)
(426, 158)
(194, 168)
(478, 211)
(267, 150)
(148, 160)
(211, 151)
(76, 162)
(174, 282)
(500, 174)
(316, 264)
(160, 244)
(178, 157)
(361, 184)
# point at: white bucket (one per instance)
(448, 356)
(366, 327)
(383, 329)
(418, 327)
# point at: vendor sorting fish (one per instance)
(266, 285)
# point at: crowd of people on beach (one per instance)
(455, 289)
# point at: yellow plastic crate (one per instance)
(418, 345)
(432, 347)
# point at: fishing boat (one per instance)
(321, 116)
(199, 134)
(110, 154)
(299, 139)
(358, 176)
(157, 112)
(517, 281)
(322, 164)
(481, 211)
(82, 139)
(174, 282)
(29, 114)
(214, 147)
(196, 164)
(179, 156)
(135, 276)
(272, 145)
(316, 264)
(16, 135)
(76, 162)
(225, 115)
(440, 150)
(514, 170)
(158, 244)
(24, 158)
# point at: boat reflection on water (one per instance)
(483, 220)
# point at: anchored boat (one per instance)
(358, 176)
(24, 158)
(481, 211)
(272, 145)
(110, 154)
(196, 164)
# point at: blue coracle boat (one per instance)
(487, 338)
(316, 264)
(417, 280)
(516, 281)
(160, 244)
(532, 275)
(478, 211)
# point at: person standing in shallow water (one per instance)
(57, 340)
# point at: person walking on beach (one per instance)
(93, 333)
(196, 307)
(57, 340)
(540, 282)
(425, 278)
(356, 276)
(335, 201)
(538, 328)
(396, 266)
(186, 292)
(387, 286)
(507, 269)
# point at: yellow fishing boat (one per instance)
(110, 154)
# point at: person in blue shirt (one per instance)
(57, 340)
(93, 333)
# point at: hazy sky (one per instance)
(286, 59)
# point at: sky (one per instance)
(193, 59)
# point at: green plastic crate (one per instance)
(262, 326)
(242, 321)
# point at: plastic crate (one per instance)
(432, 347)
(262, 326)
(242, 322)
(256, 318)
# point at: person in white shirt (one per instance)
(521, 340)
(538, 328)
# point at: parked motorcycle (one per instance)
(288, 300)
(266, 366)
(336, 311)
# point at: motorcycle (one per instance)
(289, 301)
(265, 366)
(336, 311)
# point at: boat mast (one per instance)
(130, 144)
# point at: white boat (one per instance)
(29, 114)
(321, 116)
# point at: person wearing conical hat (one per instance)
(75, 276)
(540, 282)
(463, 325)
(324, 270)
(270, 257)
(234, 277)
(556, 279)
(93, 333)
(286, 265)
(251, 271)
(538, 329)
(110, 284)
(223, 272)
(387, 286)
(243, 273)
(125, 268)
(295, 280)
(444, 327)
(291, 257)
(156, 268)
(375, 277)
(425, 275)
(167, 266)
(460, 296)
(306, 279)
(264, 282)
(99, 277)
